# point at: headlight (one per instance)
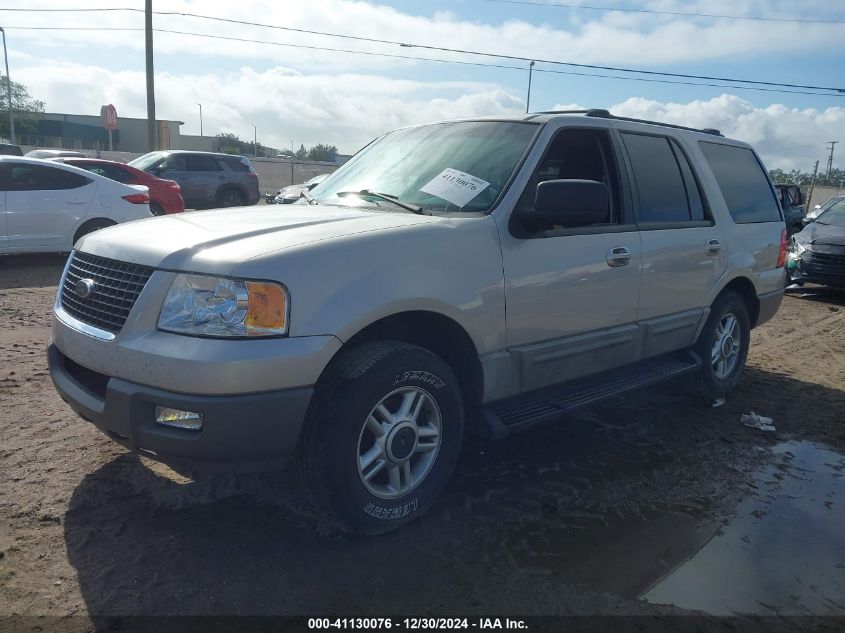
(797, 247)
(214, 306)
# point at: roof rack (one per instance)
(605, 114)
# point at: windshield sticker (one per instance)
(455, 186)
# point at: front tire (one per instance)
(382, 436)
(723, 345)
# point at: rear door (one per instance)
(683, 251)
(44, 204)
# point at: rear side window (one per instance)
(40, 178)
(202, 163)
(665, 193)
(743, 182)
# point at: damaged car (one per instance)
(817, 253)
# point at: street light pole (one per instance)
(528, 100)
(200, 105)
(255, 141)
(8, 91)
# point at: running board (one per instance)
(521, 412)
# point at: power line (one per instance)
(718, 16)
(471, 52)
(417, 58)
(537, 3)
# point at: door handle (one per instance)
(713, 247)
(618, 256)
(77, 201)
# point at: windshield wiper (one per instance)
(383, 196)
(308, 197)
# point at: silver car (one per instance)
(475, 276)
(206, 179)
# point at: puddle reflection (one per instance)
(783, 553)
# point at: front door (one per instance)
(206, 176)
(572, 292)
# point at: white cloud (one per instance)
(346, 110)
(592, 37)
(788, 138)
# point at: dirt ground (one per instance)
(580, 516)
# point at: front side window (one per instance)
(743, 182)
(573, 154)
(660, 183)
(444, 167)
(174, 162)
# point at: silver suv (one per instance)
(205, 178)
(467, 276)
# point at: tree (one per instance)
(301, 153)
(25, 108)
(322, 152)
(229, 143)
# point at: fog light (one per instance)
(177, 418)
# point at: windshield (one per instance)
(147, 160)
(835, 215)
(442, 167)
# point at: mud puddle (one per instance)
(782, 553)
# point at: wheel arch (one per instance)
(745, 288)
(229, 186)
(435, 332)
(85, 227)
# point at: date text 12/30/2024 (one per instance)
(435, 624)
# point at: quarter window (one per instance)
(743, 182)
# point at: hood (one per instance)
(217, 241)
(822, 234)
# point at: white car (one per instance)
(47, 206)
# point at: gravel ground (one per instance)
(576, 517)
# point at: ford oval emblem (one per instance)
(84, 288)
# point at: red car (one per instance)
(165, 195)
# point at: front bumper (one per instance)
(240, 432)
(824, 268)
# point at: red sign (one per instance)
(109, 116)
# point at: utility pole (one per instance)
(8, 91)
(830, 160)
(254, 141)
(152, 127)
(528, 99)
(200, 105)
(812, 186)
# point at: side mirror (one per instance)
(572, 203)
(805, 220)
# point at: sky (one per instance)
(295, 95)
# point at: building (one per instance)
(86, 132)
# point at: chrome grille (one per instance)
(118, 285)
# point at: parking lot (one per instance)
(645, 505)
